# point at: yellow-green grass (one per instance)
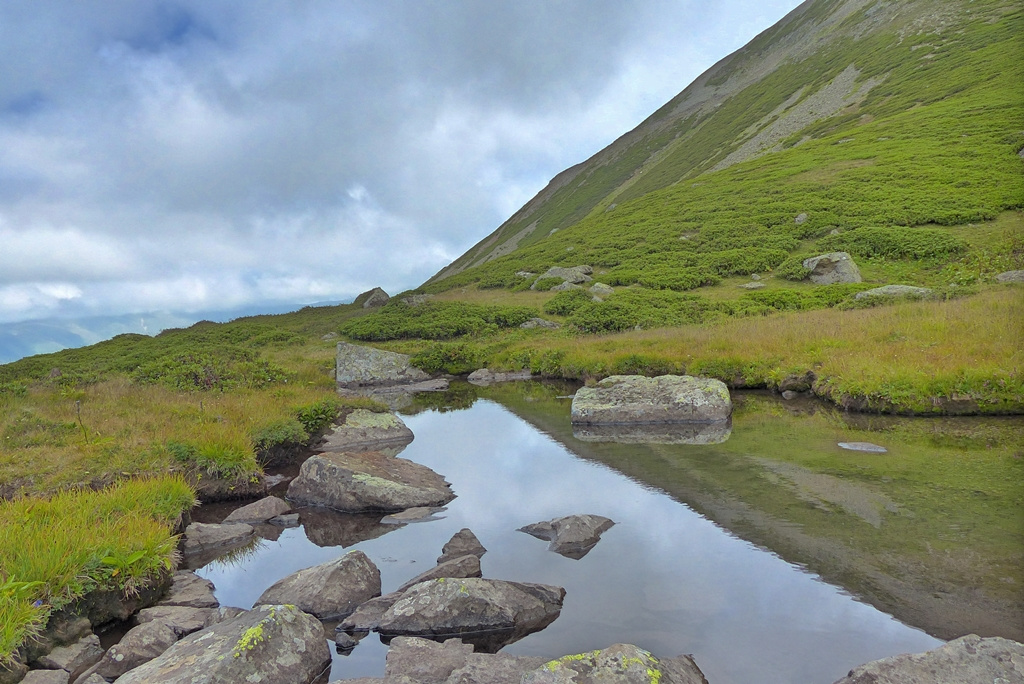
(905, 353)
(54, 550)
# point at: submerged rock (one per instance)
(330, 591)
(834, 267)
(664, 399)
(266, 644)
(572, 536)
(967, 659)
(369, 481)
(488, 613)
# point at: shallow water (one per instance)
(664, 577)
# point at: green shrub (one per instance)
(285, 431)
(792, 268)
(565, 303)
(318, 415)
(896, 243)
(457, 358)
(641, 308)
(545, 284)
(435, 321)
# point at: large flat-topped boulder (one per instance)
(367, 481)
(363, 429)
(664, 399)
(366, 367)
(329, 591)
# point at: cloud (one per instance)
(189, 155)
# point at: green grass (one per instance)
(56, 549)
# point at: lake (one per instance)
(716, 550)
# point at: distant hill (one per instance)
(847, 114)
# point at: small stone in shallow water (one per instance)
(863, 446)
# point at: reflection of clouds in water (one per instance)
(663, 577)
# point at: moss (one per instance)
(254, 635)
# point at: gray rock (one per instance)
(572, 536)
(367, 616)
(412, 660)
(800, 218)
(618, 664)
(74, 658)
(866, 447)
(565, 287)
(540, 323)
(753, 286)
(47, 677)
(664, 399)
(205, 542)
(93, 678)
(462, 543)
(330, 591)
(655, 433)
(488, 613)
(12, 671)
(417, 299)
(374, 298)
(1010, 277)
(754, 276)
(364, 366)
(574, 275)
(967, 659)
(789, 395)
(368, 481)
(601, 290)
(363, 430)
(266, 644)
(834, 267)
(179, 619)
(798, 382)
(140, 645)
(895, 291)
(463, 566)
(258, 511)
(485, 376)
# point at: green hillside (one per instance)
(903, 116)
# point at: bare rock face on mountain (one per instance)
(967, 659)
(359, 366)
(266, 644)
(367, 481)
(831, 268)
(664, 399)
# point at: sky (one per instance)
(162, 160)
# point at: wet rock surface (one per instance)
(967, 659)
(267, 644)
(330, 591)
(368, 481)
(259, 511)
(664, 399)
(572, 536)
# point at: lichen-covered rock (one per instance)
(893, 291)
(834, 267)
(462, 543)
(140, 645)
(268, 644)
(572, 536)
(601, 290)
(258, 511)
(412, 660)
(463, 566)
(47, 677)
(664, 399)
(574, 275)
(74, 658)
(364, 367)
(540, 323)
(1010, 277)
(618, 664)
(179, 619)
(362, 430)
(967, 659)
(331, 590)
(368, 481)
(488, 613)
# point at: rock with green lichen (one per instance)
(331, 590)
(967, 659)
(618, 664)
(636, 399)
(359, 366)
(368, 481)
(364, 429)
(268, 644)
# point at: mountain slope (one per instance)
(853, 112)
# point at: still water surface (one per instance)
(664, 577)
